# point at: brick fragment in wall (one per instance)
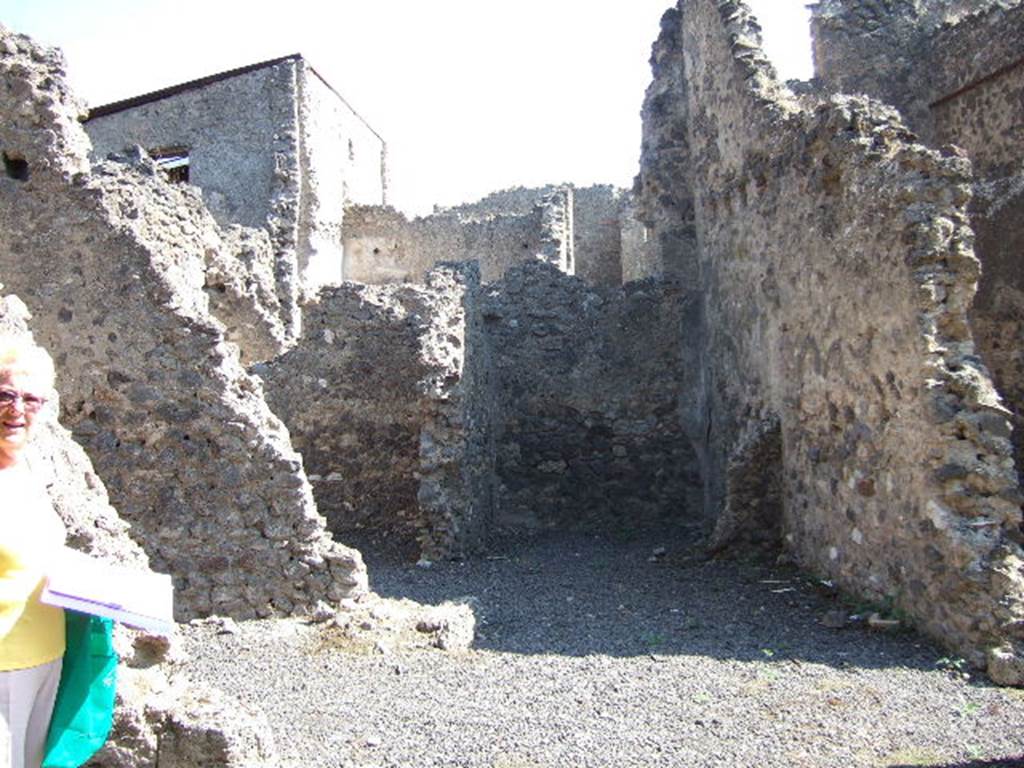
(94, 527)
(385, 397)
(111, 263)
(836, 273)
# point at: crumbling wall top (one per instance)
(36, 77)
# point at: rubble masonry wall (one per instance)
(956, 72)
(385, 397)
(581, 226)
(837, 271)
(111, 264)
(977, 95)
(600, 214)
(587, 426)
(663, 190)
(146, 730)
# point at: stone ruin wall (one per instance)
(257, 140)
(111, 261)
(157, 710)
(386, 397)
(868, 46)
(587, 431)
(951, 68)
(837, 271)
(977, 88)
(663, 190)
(583, 229)
(600, 219)
(220, 124)
(383, 246)
(957, 76)
(444, 414)
(978, 65)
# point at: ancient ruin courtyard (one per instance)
(592, 651)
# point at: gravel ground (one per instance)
(595, 652)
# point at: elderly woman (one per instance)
(32, 634)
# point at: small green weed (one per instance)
(653, 639)
(955, 666)
(971, 708)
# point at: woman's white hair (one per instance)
(19, 355)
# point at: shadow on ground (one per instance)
(653, 594)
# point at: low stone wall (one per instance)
(112, 265)
(386, 405)
(837, 269)
(580, 230)
(589, 397)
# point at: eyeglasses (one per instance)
(31, 403)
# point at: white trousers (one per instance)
(26, 703)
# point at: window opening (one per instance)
(173, 161)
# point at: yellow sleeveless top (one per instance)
(31, 535)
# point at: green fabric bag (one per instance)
(84, 710)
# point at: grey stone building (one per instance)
(272, 146)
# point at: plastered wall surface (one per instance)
(111, 262)
(341, 161)
(383, 246)
(581, 229)
(837, 271)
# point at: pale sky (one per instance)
(471, 96)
